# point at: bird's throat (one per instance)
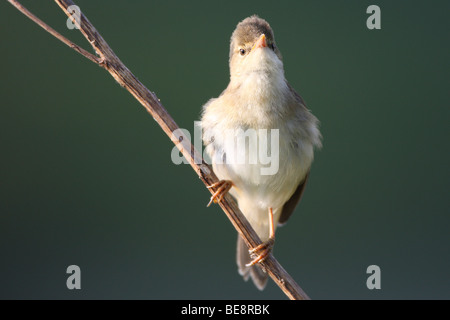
(262, 91)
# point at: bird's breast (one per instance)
(262, 94)
(251, 140)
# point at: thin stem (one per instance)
(55, 33)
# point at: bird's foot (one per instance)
(223, 186)
(261, 252)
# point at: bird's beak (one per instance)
(260, 43)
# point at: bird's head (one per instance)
(253, 48)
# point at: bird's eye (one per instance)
(242, 51)
(272, 46)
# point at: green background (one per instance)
(86, 176)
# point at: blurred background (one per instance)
(86, 176)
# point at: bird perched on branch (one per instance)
(260, 137)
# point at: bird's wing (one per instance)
(290, 205)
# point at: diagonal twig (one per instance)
(108, 60)
(55, 33)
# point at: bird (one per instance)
(258, 106)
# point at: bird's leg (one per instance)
(223, 186)
(264, 248)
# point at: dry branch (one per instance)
(108, 60)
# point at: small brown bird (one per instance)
(260, 137)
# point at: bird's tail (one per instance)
(259, 277)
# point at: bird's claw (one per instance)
(223, 186)
(261, 252)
